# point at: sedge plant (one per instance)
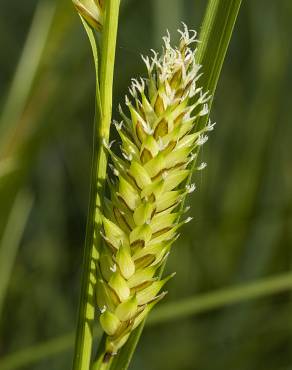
(139, 210)
(147, 183)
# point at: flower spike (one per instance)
(159, 141)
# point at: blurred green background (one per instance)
(242, 228)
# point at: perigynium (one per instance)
(160, 139)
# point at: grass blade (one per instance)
(216, 32)
(26, 71)
(84, 333)
(32, 355)
(221, 298)
(11, 239)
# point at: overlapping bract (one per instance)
(159, 141)
(92, 11)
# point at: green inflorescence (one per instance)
(159, 142)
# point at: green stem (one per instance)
(106, 87)
(84, 335)
(216, 32)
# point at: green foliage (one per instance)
(242, 226)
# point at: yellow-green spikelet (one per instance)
(141, 219)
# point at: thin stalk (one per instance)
(106, 88)
(103, 103)
(216, 32)
(166, 313)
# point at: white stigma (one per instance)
(113, 268)
(127, 157)
(205, 110)
(115, 171)
(146, 60)
(118, 125)
(191, 188)
(189, 219)
(103, 309)
(210, 126)
(185, 35)
(202, 166)
(202, 139)
(127, 101)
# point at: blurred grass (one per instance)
(166, 313)
(243, 207)
(11, 239)
(25, 73)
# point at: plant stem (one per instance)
(216, 32)
(106, 87)
(84, 335)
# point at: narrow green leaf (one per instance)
(34, 354)
(26, 71)
(11, 238)
(216, 32)
(221, 298)
(84, 333)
